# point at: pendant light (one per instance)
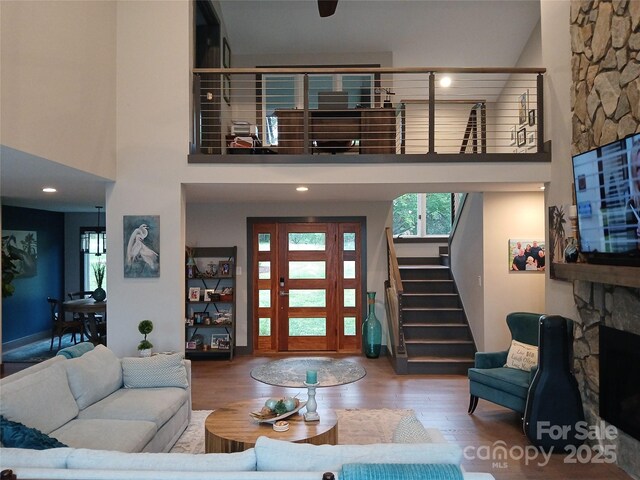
(101, 236)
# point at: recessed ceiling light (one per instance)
(302, 189)
(445, 82)
(49, 190)
(542, 187)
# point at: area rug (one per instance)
(356, 426)
(291, 372)
(35, 352)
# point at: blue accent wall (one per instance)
(26, 312)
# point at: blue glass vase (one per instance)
(371, 329)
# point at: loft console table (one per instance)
(336, 130)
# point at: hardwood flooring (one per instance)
(439, 401)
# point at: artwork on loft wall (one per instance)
(523, 107)
(141, 244)
(22, 246)
(527, 255)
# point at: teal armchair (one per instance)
(490, 380)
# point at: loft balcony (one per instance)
(367, 115)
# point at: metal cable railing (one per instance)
(363, 111)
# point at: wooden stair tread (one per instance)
(434, 325)
(439, 342)
(432, 359)
(434, 309)
(436, 294)
(423, 267)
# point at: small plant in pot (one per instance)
(145, 327)
(99, 270)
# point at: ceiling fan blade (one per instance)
(327, 7)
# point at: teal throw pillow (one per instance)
(400, 471)
(17, 435)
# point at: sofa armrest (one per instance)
(491, 359)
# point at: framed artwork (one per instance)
(194, 295)
(523, 107)
(527, 255)
(226, 53)
(226, 88)
(224, 268)
(141, 246)
(532, 118)
(22, 246)
(220, 341)
(522, 136)
(512, 138)
(531, 139)
(210, 295)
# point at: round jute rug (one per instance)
(291, 372)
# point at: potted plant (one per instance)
(99, 270)
(145, 327)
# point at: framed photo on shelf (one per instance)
(522, 136)
(224, 268)
(194, 294)
(220, 339)
(523, 107)
(210, 295)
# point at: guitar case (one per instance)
(554, 406)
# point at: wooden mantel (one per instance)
(608, 274)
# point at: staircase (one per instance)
(436, 333)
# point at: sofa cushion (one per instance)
(278, 455)
(411, 430)
(156, 371)
(17, 435)
(405, 471)
(155, 405)
(20, 457)
(77, 350)
(511, 380)
(167, 462)
(31, 370)
(94, 375)
(522, 356)
(98, 434)
(42, 400)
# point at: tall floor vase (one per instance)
(371, 329)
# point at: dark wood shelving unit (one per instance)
(204, 307)
(607, 274)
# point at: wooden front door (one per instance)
(307, 292)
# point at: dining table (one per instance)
(91, 312)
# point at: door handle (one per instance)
(283, 293)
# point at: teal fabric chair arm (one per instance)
(491, 359)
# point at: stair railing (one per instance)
(394, 292)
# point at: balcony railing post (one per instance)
(305, 122)
(401, 347)
(483, 127)
(197, 120)
(432, 112)
(540, 112)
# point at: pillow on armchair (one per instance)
(522, 356)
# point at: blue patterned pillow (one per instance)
(400, 471)
(17, 435)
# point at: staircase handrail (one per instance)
(395, 292)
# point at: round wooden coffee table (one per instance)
(231, 429)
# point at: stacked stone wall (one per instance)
(605, 63)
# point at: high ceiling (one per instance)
(416, 32)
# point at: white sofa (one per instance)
(268, 460)
(112, 430)
(101, 402)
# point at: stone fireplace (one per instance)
(619, 308)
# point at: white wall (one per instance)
(58, 80)
(152, 143)
(509, 216)
(223, 225)
(467, 258)
(556, 54)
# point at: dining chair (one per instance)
(60, 326)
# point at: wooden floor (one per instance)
(439, 401)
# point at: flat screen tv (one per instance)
(607, 188)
